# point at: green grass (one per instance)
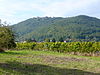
(27, 62)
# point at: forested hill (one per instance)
(78, 28)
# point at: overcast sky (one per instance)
(14, 11)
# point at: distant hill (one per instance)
(78, 28)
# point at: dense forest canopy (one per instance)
(78, 28)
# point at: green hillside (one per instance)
(78, 28)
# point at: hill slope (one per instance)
(76, 28)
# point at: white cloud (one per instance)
(67, 7)
(17, 10)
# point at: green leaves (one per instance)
(81, 47)
(6, 38)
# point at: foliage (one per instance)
(53, 40)
(82, 47)
(6, 38)
(79, 28)
(47, 40)
(25, 45)
(61, 40)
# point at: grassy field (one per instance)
(27, 62)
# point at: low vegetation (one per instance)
(79, 48)
(28, 62)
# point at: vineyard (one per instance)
(89, 48)
(51, 58)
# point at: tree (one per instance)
(0, 23)
(31, 40)
(53, 40)
(6, 38)
(61, 40)
(47, 40)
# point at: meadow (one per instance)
(30, 62)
